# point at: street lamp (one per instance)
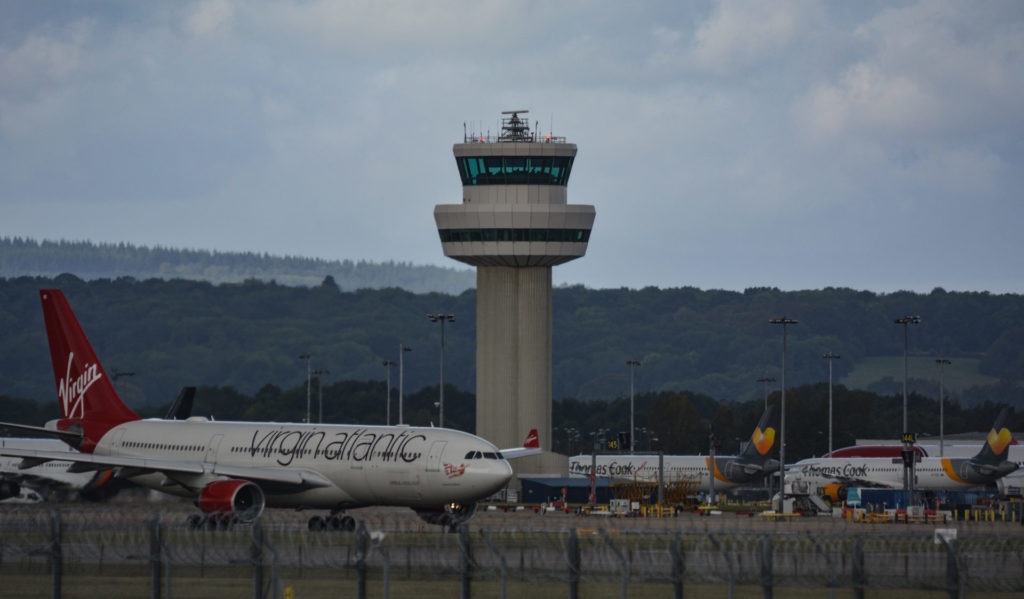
(119, 373)
(765, 380)
(309, 381)
(905, 321)
(632, 370)
(942, 443)
(441, 318)
(116, 374)
(908, 446)
(830, 356)
(571, 434)
(387, 366)
(320, 390)
(401, 378)
(782, 425)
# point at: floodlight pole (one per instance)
(908, 470)
(830, 356)
(942, 438)
(401, 379)
(442, 318)
(387, 391)
(309, 382)
(632, 370)
(766, 380)
(320, 390)
(782, 428)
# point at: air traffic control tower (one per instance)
(514, 224)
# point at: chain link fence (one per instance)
(75, 553)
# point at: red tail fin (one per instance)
(85, 393)
(532, 441)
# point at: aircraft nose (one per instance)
(497, 475)
(501, 471)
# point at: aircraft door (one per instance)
(434, 456)
(116, 440)
(211, 449)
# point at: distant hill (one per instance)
(718, 343)
(90, 261)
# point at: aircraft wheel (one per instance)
(195, 521)
(347, 523)
(316, 524)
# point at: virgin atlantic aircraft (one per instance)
(234, 469)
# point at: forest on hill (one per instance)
(19, 256)
(172, 333)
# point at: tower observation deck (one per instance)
(514, 224)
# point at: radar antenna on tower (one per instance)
(513, 128)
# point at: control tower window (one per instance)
(515, 170)
(568, 235)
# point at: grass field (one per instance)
(961, 374)
(38, 587)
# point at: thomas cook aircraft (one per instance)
(234, 469)
(931, 474)
(751, 465)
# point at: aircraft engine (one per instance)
(9, 488)
(451, 515)
(232, 499)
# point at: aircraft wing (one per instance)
(36, 482)
(131, 466)
(530, 447)
(68, 436)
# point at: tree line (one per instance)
(172, 333)
(22, 256)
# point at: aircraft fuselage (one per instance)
(324, 466)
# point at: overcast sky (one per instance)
(725, 145)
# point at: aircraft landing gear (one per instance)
(332, 522)
(210, 522)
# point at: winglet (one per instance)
(530, 447)
(763, 438)
(995, 450)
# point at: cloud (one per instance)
(715, 139)
(744, 34)
(41, 59)
(210, 17)
(929, 71)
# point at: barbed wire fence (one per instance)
(65, 553)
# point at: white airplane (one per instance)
(52, 477)
(1010, 485)
(234, 469)
(988, 466)
(751, 465)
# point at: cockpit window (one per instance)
(491, 455)
(474, 455)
